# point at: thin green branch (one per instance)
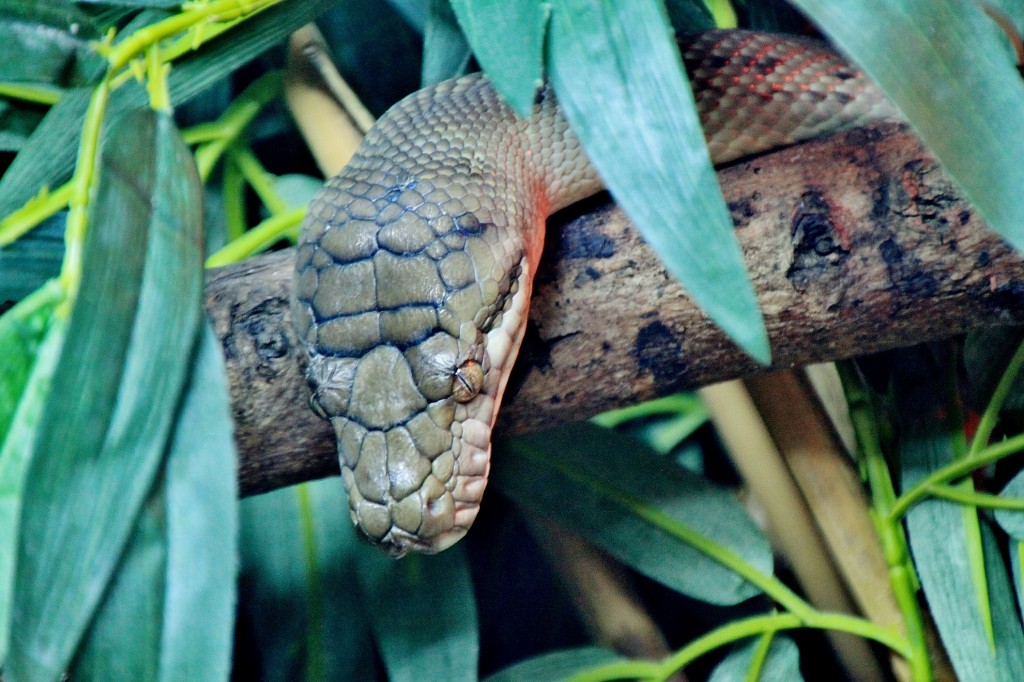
(233, 195)
(192, 18)
(235, 120)
(201, 132)
(271, 230)
(258, 178)
(976, 499)
(955, 471)
(760, 657)
(990, 416)
(875, 468)
(37, 209)
(739, 630)
(81, 190)
(34, 93)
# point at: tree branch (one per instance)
(855, 243)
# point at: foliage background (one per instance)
(118, 542)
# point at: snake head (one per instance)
(411, 304)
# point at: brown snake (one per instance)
(415, 264)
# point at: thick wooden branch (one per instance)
(855, 244)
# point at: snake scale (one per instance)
(415, 263)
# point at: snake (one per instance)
(415, 263)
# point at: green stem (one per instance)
(18, 223)
(258, 178)
(953, 471)
(902, 578)
(990, 416)
(233, 192)
(81, 190)
(739, 630)
(236, 119)
(976, 499)
(678, 403)
(201, 132)
(760, 656)
(132, 46)
(258, 238)
(33, 93)
(315, 652)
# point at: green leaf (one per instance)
(46, 42)
(378, 47)
(49, 156)
(22, 330)
(515, 68)
(556, 666)
(123, 640)
(116, 388)
(979, 629)
(1012, 521)
(781, 665)
(17, 121)
(298, 586)
(202, 527)
(950, 70)
(1016, 552)
(689, 15)
(423, 614)
(20, 428)
(618, 75)
(29, 262)
(295, 189)
(640, 507)
(169, 611)
(445, 50)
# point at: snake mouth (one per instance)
(397, 543)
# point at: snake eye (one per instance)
(469, 379)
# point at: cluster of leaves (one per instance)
(118, 511)
(120, 536)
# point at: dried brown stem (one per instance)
(855, 243)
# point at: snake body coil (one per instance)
(415, 264)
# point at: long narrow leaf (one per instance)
(423, 614)
(556, 666)
(45, 42)
(299, 586)
(617, 72)
(202, 527)
(123, 640)
(517, 71)
(640, 507)
(445, 51)
(29, 262)
(14, 458)
(117, 386)
(781, 665)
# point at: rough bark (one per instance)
(855, 243)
